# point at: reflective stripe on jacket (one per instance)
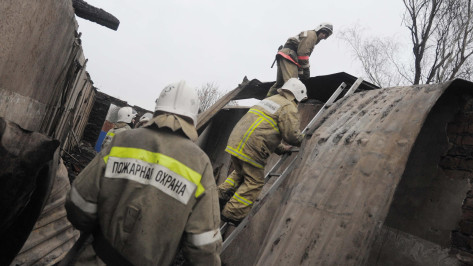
(261, 129)
(302, 44)
(119, 127)
(148, 195)
(131, 163)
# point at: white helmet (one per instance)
(125, 114)
(179, 98)
(327, 27)
(297, 88)
(146, 117)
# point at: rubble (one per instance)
(78, 158)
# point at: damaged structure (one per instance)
(46, 96)
(44, 85)
(380, 182)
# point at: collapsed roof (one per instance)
(319, 88)
(371, 168)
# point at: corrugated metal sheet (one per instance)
(332, 207)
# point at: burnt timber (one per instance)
(84, 10)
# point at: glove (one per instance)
(305, 74)
(283, 149)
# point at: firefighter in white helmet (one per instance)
(124, 122)
(150, 192)
(293, 59)
(253, 139)
(143, 119)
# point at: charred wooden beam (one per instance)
(84, 10)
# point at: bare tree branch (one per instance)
(376, 56)
(208, 95)
(441, 34)
(445, 42)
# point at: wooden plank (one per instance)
(205, 116)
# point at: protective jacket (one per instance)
(259, 132)
(293, 59)
(298, 49)
(148, 191)
(117, 128)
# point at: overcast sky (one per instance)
(200, 41)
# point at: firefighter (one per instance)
(143, 119)
(253, 139)
(293, 59)
(150, 192)
(124, 122)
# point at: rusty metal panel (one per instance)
(331, 208)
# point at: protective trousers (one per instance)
(248, 181)
(286, 70)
